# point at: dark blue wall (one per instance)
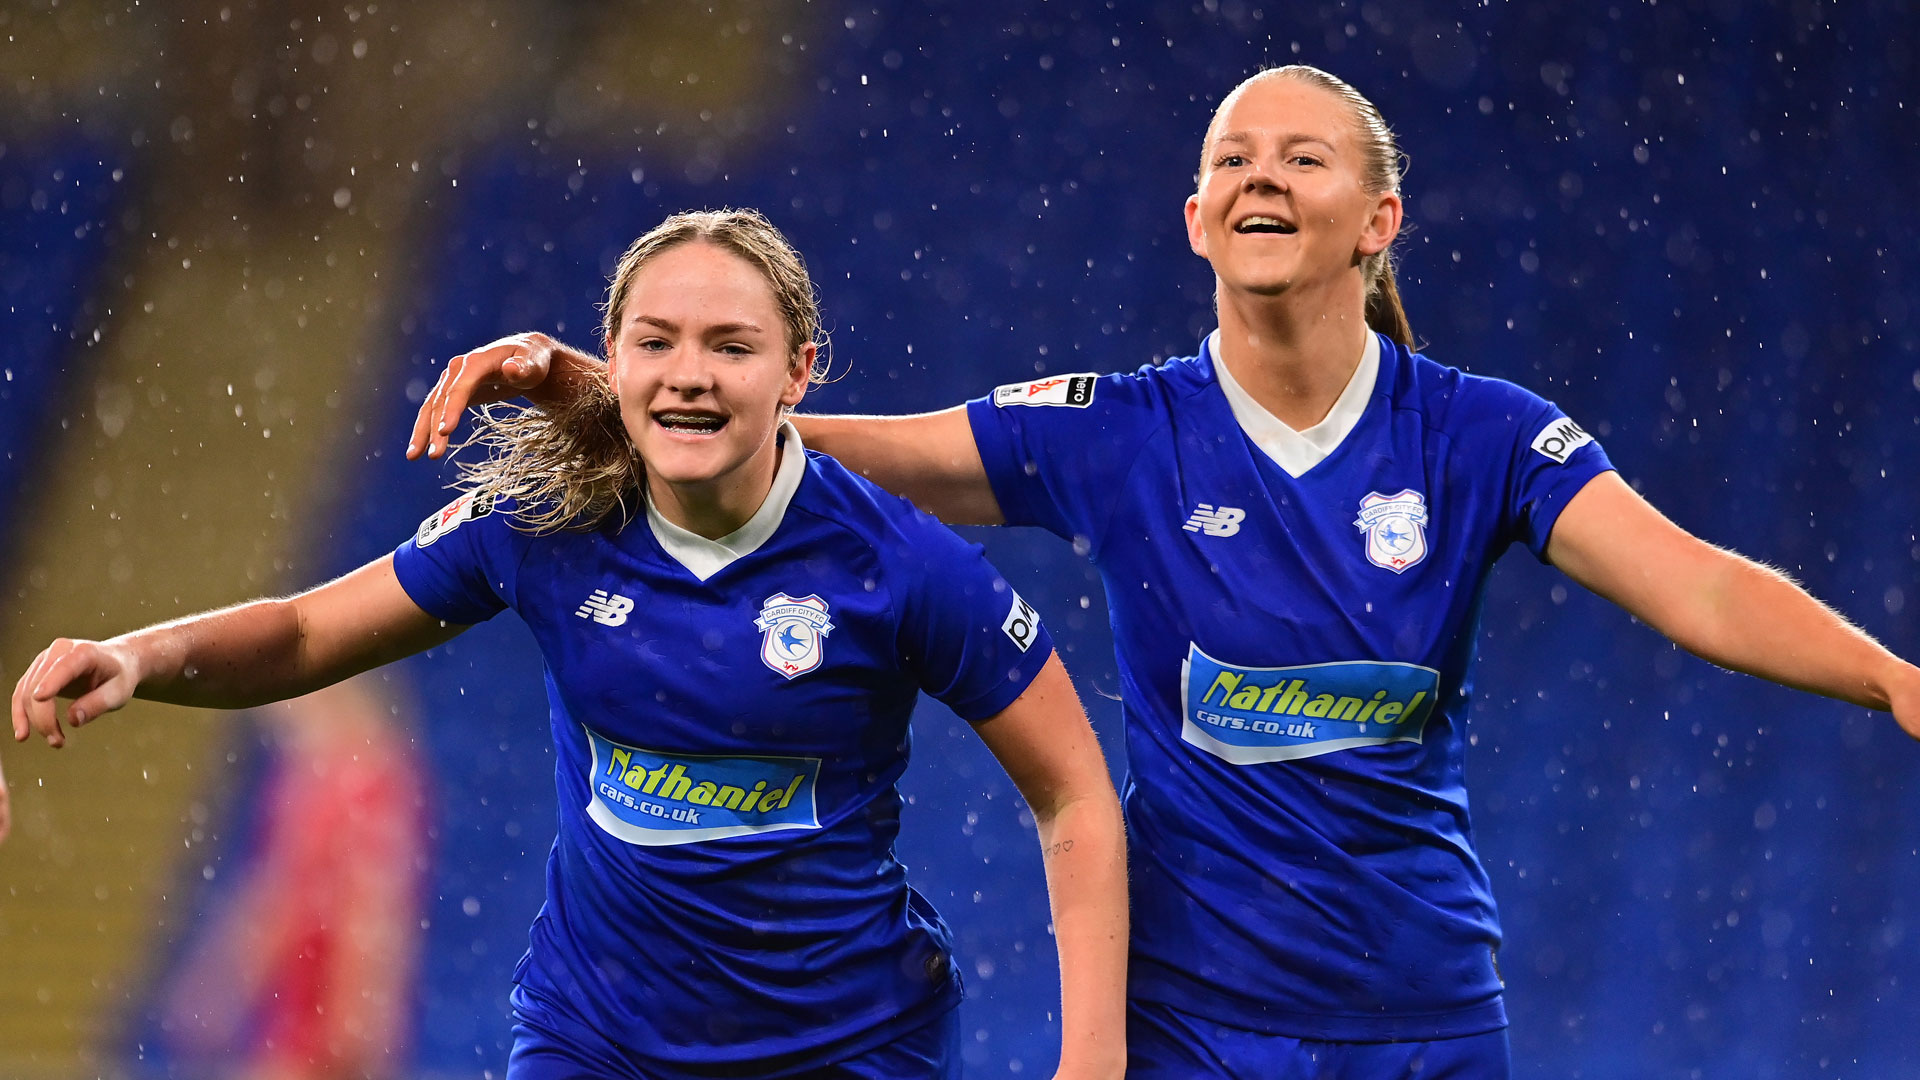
(1688, 223)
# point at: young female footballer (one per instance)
(735, 631)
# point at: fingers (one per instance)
(33, 713)
(495, 372)
(80, 669)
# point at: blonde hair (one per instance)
(572, 465)
(1380, 171)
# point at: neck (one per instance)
(1296, 351)
(720, 506)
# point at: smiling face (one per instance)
(701, 364)
(1282, 200)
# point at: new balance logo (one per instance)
(1215, 520)
(605, 610)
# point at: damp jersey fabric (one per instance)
(1295, 653)
(722, 895)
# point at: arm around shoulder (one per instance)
(930, 458)
(1722, 606)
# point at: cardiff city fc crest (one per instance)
(1396, 528)
(794, 633)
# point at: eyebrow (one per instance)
(1292, 137)
(717, 328)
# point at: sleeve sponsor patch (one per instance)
(1560, 439)
(1022, 624)
(451, 516)
(1072, 391)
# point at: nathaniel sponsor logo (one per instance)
(1073, 391)
(1560, 439)
(1251, 715)
(656, 799)
(452, 516)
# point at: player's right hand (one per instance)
(100, 677)
(497, 371)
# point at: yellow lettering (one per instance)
(1266, 698)
(1246, 698)
(1319, 705)
(785, 797)
(1389, 712)
(1225, 682)
(622, 761)
(676, 785)
(1413, 707)
(635, 777)
(729, 797)
(1371, 705)
(1345, 709)
(702, 793)
(1295, 697)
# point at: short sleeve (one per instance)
(1057, 450)
(1550, 459)
(461, 564)
(968, 639)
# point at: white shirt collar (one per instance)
(1297, 451)
(705, 557)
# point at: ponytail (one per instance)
(1384, 311)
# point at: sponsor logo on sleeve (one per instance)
(1022, 624)
(656, 799)
(1395, 527)
(452, 516)
(793, 633)
(1560, 439)
(1073, 391)
(1249, 715)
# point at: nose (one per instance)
(1261, 178)
(688, 372)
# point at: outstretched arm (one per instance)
(930, 458)
(1044, 742)
(233, 658)
(1723, 607)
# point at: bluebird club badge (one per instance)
(793, 633)
(1396, 528)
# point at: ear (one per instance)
(1383, 225)
(800, 377)
(613, 369)
(1196, 236)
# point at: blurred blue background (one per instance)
(1687, 223)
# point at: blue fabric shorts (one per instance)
(550, 1046)
(1164, 1043)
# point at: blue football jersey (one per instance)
(1295, 658)
(730, 720)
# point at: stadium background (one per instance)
(240, 238)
